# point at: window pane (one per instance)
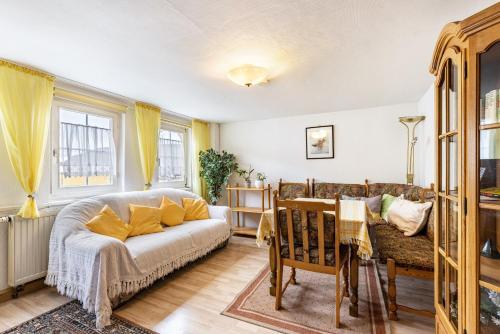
(86, 149)
(489, 103)
(489, 313)
(442, 104)
(453, 226)
(489, 243)
(441, 282)
(489, 172)
(442, 165)
(453, 152)
(442, 222)
(452, 274)
(453, 96)
(171, 156)
(99, 121)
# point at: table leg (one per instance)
(272, 266)
(345, 274)
(354, 269)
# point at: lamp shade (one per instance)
(248, 75)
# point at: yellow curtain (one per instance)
(201, 142)
(147, 118)
(25, 101)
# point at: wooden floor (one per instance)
(190, 300)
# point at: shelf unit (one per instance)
(240, 209)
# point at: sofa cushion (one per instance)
(174, 242)
(412, 252)
(411, 193)
(328, 190)
(292, 190)
(429, 230)
(312, 223)
(314, 254)
(409, 217)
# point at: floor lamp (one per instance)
(410, 122)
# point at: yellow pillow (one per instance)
(172, 214)
(144, 220)
(108, 223)
(195, 209)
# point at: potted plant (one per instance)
(215, 169)
(259, 182)
(246, 175)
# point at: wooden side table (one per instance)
(240, 208)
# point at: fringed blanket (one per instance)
(96, 269)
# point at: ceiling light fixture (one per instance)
(248, 75)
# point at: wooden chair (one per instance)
(292, 190)
(296, 251)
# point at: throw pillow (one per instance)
(409, 217)
(195, 209)
(373, 203)
(172, 213)
(144, 220)
(108, 223)
(387, 200)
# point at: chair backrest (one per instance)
(292, 190)
(303, 208)
(329, 189)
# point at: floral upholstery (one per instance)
(429, 229)
(328, 190)
(413, 252)
(292, 190)
(411, 193)
(312, 223)
(313, 254)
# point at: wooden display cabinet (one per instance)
(466, 63)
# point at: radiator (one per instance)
(28, 247)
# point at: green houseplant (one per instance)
(215, 169)
(246, 175)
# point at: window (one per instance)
(172, 156)
(84, 149)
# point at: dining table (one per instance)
(353, 232)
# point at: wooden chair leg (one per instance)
(337, 300)
(293, 280)
(391, 290)
(279, 284)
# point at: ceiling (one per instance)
(323, 55)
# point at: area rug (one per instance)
(72, 318)
(309, 306)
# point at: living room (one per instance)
(154, 156)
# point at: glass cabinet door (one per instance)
(489, 190)
(448, 197)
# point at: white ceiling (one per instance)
(324, 55)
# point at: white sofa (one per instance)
(99, 270)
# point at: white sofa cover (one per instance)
(97, 270)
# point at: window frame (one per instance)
(186, 183)
(57, 192)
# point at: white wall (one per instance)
(369, 143)
(426, 145)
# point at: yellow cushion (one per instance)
(144, 220)
(108, 223)
(172, 214)
(195, 209)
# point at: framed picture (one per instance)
(319, 142)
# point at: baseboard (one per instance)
(7, 294)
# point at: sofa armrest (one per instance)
(221, 212)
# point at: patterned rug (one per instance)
(309, 306)
(72, 318)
